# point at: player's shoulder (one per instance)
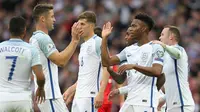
(97, 38)
(179, 47)
(156, 46)
(4, 42)
(133, 46)
(40, 36)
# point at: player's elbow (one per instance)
(61, 64)
(120, 81)
(157, 74)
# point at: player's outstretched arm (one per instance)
(173, 51)
(119, 78)
(62, 58)
(40, 94)
(106, 59)
(160, 81)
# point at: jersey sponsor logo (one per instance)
(144, 100)
(128, 55)
(92, 92)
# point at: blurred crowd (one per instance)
(185, 14)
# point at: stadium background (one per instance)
(184, 14)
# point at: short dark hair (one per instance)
(40, 9)
(89, 16)
(98, 30)
(146, 19)
(17, 26)
(174, 30)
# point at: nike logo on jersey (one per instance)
(128, 55)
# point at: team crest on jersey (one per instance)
(89, 49)
(160, 53)
(50, 46)
(144, 57)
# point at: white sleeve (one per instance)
(158, 54)
(123, 90)
(122, 55)
(46, 45)
(173, 51)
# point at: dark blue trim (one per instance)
(52, 107)
(98, 76)
(151, 105)
(92, 104)
(51, 79)
(178, 83)
(94, 36)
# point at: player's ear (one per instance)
(42, 18)
(171, 36)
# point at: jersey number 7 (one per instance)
(14, 59)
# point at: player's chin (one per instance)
(52, 28)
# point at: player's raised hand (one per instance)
(113, 94)
(98, 100)
(107, 29)
(123, 68)
(40, 95)
(76, 32)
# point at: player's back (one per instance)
(16, 61)
(176, 85)
(89, 68)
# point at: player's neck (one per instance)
(173, 43)
(42, 28)
(16, 37)
(89, 36)
(143, 40)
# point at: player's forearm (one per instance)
(104, 53)
(174, 52)
(160, 81)
(73, 87)
(67, 53)
(148, 71)
(40, 83)
(119, 78)
(104, 81)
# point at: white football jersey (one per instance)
(89, 68)
(176, 85)
(142, 88)
(16, 59)
(46, 47)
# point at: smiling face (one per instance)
(129, 38)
